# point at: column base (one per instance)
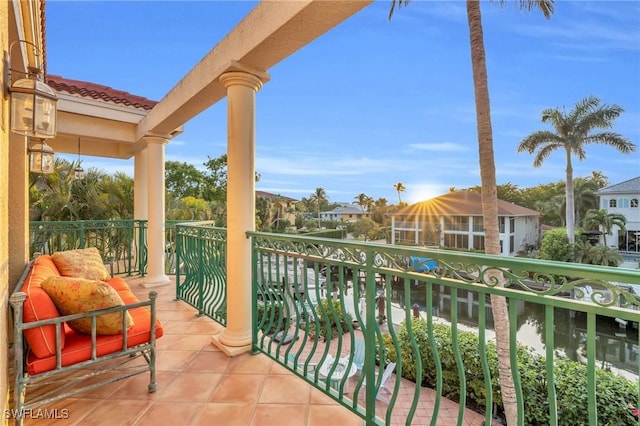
(230, 351)
(158, 281)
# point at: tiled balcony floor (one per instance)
(199, 385)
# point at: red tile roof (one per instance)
(270, 196)
(98, 92)
(462, 203)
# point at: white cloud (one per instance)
(439, 146)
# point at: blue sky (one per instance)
(374, 102)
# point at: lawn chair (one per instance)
(358, 354)
(310, 367)
(383, 382)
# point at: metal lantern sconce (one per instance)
(41, 157)
(33, 112)
(78, 172)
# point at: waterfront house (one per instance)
(454, 220)
(623, 198)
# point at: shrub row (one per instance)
(614, 393)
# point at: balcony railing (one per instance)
(338, 312)
(201, 278)
(122, 243)
(305, 288)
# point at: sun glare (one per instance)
(422, 192)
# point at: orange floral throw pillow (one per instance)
(77, 295)
(81, 263)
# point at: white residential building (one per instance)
(454, 220)
(345, 213)
(623, 198)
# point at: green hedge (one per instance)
(330, 322)
(271, 317)
(613, 392)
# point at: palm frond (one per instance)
(393, 6)
(613, 140)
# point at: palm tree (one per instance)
(572, 132)
(319, 197)
(364, 201)
(489, 188)
(603, 256)
(399, 187)
(604, 221)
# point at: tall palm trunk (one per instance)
(490, 204)
(571, 211)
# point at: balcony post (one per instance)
(155, 227)
(140, 187)
(241, 89)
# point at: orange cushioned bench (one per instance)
(76, 322)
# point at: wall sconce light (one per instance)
(78, 172)
(33, 111)
(41, 157)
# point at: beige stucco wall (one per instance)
(4, 213)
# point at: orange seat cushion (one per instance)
(81, 263)
(39, 306)
(77, 295)
(77, 347)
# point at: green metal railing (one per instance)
(308, 290)
(319, 301)
(122, 243)
(201, 277)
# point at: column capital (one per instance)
(157, 139)
(235, 78)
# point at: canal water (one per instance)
(617, 346)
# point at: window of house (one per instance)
(456, 241)
(456, 223)
(613, 203)
(512, 225)
(478, 242)
(478, 224)
(501, 225)
(634, 203)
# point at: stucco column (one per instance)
(241, 89)
(155, 205)
(140, 186)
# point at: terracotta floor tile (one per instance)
(238, 388)
(250, 364)
(137, 387)
(284, 389)
(320, 415)
(174, 327)
(116, 412)
(195, 342)
(169, 360)
(203, 327)
(170, 413)
(319, 398)
(76, 410)
(280, 415)
(227, 413)
(192, 387)
(209, 362)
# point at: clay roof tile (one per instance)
(99, 92)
